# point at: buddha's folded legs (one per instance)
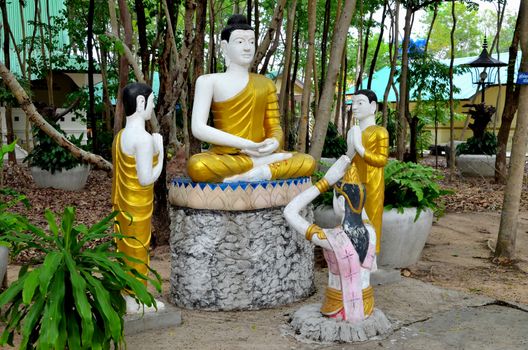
(212, 167)
(298, 165)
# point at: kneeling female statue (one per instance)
(349, 249)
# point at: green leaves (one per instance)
(413, 185)
(74, 298)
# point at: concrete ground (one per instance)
(423, 317)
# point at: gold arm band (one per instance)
(322, 185)
(314, 229)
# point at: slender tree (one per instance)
(283, 95)
(327, 94)
(452, 167)
(511, 104)
(505, 249)
(305, 102)
(10, 135)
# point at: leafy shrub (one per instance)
(48, 155)
(413, 185)
(327, 197)
(74, 299)
(335, 145)
(487, 144)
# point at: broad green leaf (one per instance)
(68, 218)
(30, 285)
(52, 223)
(102, 297)
(11, 292)
(31, 319)
(72, 326)
(53, 311)
(48, 269)
(81, 301)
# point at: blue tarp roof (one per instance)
(462, 81)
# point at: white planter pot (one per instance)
(476, 165)
(4, 260)
(402, 238)
(72, 180)
(324, 216)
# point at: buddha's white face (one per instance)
(240, 49)
(361, 107)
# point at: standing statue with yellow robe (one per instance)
(371, 145)
(247, 137)
(138, 159)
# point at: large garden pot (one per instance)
(4, 260)
(476, 165)
(72, 179)
(324, 216)
(403, 239)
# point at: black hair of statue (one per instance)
(358, 236)
(235, 22)
(371, 95)
(130, 94)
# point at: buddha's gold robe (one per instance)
(370, 167)
(252, 114)
(134, 203)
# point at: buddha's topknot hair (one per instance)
(233, 23)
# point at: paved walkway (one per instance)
(424, 317)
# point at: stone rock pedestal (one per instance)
(309, 324)
(238, 260)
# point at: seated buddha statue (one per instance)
(246, 139)
(349, 248)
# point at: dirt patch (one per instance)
(458, 255)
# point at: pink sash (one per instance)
(344, 261)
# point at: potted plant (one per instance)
(73, 296)
(411, 200)
(53, 166)
(476, 156)
(8, 221)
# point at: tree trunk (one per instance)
(270, 34)
(402, 105)
(31, 112)
(271, 51)
(378, 45)
(198, 63)
(324, 42)
(91, 91)
(142, 34)
(364, 53)
(293, 117)
(10, 135)
(212, 49)
(511, 104)
(256, 25)
(452, 167)
(307, 88)
(327, 94)
(393, 50)
(505, 249)
(283, 95)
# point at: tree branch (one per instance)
(29, 108)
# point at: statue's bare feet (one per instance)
(256, 174)
(133, 307)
